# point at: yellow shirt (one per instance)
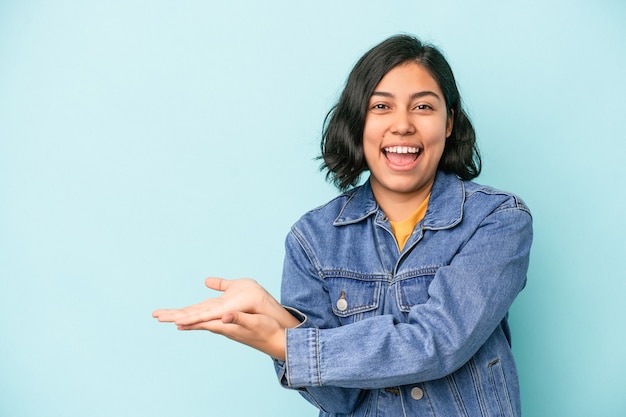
(402, 230)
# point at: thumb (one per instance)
(230, 318)
(218, 284)
(244, 320)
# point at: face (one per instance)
(406, 127)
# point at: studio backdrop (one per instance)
(146, 145)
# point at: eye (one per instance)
(379, 106)
(423, 107)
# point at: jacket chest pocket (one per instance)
(412, 291)
(353, 299)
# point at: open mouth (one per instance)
(401, 155)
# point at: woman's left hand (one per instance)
(258, 331)
(244, 312)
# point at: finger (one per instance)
(229, 325)
(167, 315)
(196, 316)
(218, 284)
(240, 326)
(172, 314)
(220, 326)
(205, 325)
(230, 318)
(233, 325)
(204, 311)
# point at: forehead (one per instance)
(408, 77)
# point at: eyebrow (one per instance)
(419, 94)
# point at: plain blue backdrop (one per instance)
(145, 145)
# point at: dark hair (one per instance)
(342, 137)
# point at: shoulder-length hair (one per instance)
(342, 136)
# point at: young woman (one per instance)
(394, 294)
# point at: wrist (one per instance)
(274, 309)
(279, 351)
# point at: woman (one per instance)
(396, 292)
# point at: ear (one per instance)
(449, 123)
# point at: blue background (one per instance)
(147, 144)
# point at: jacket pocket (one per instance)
(353, 298)
(414, 289)
(500, 390)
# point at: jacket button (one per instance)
(417, 393)
(342, 303)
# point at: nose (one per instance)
(402, 123)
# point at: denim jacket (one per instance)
(417, 332)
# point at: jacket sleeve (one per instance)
(305, 296)
(467, 301)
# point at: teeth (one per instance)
(402, 149)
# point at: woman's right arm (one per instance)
(305, 295)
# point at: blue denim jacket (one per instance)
(417, 332)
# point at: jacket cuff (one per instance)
(302, 318)
(281, 367)
(302, 365)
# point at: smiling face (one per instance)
(406, 127)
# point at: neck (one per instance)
(398, 206)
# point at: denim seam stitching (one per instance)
(308, 250)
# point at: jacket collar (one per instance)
(445, 208)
